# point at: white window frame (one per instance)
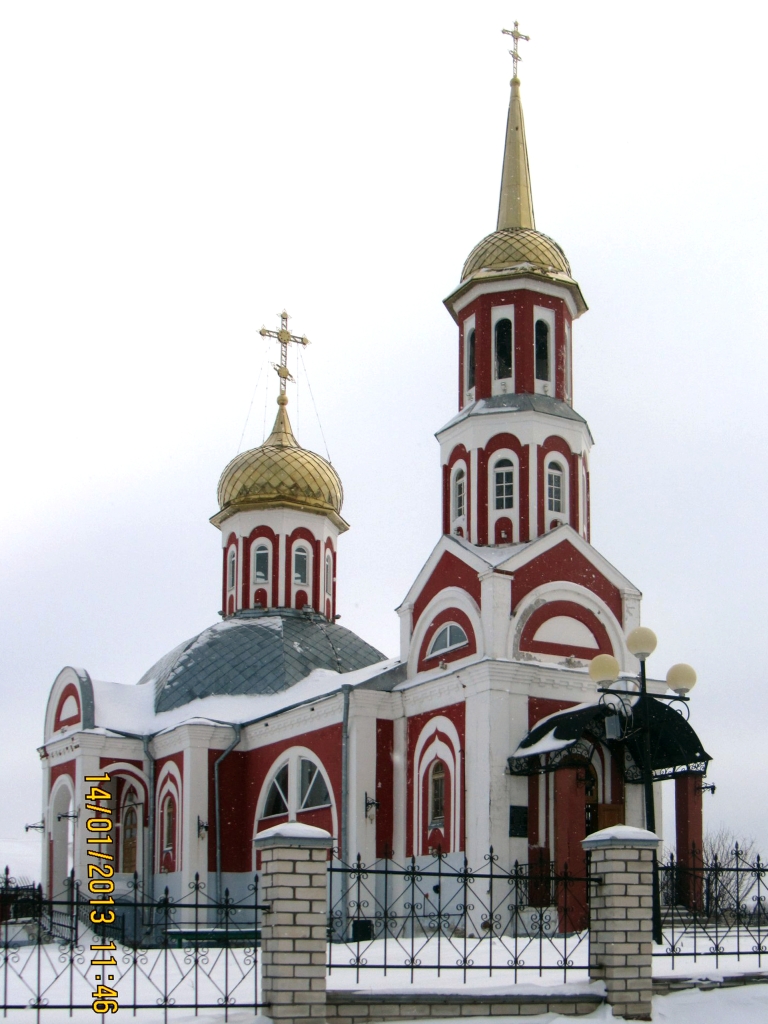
(292, 759)
(259, 545)
(504, 385)
(432, 653)
(499, 513)
(436, 822)
(231, 568)
(545, 387)
(456, 519)
(562, 467)
(329, 573)
(301, 546)
(469, 392)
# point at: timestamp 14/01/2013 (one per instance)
(101, 888)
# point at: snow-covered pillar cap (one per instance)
(293, 835)
(626, 836)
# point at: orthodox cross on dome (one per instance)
(285, 337)
(517, 36)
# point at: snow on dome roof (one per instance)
(255, 653)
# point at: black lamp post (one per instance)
(681, 678)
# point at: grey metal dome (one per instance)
(255, 653)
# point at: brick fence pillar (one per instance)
(294, 861)
(621, 916)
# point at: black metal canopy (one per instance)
(567, 739)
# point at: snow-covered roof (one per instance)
(130, 709)
(255, 653)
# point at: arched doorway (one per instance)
(62, 834)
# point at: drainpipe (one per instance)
(346, 689)
(230, 748)
(149, 861)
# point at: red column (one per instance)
(689, 828)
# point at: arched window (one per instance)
(277, 797)
(448, 638)
(554, 487)
(328, 573)
(504, 481)
(459, 494)
(437, 795)
(261, 563)
(169, 824)
(471, 360)
(503, 333)
(542, 350)
(313, 790)
(301, 566)
(231, 569)
(130, 835)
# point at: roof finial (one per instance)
(516, 200)
(285, 337)
(515, 55)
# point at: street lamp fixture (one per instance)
(681, 679)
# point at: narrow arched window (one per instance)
(503, 332)
(277, 797)
(471, 360)
(169, 823)
(555, 487)
(313, 791)
(459, 494)
(130, 834)
(504, 480)
(300, 566)
(261, 563)
(328, 573)
(448, 638)
(231, 569)
(437, 794)
(542, 350)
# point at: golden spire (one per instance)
(516, 200)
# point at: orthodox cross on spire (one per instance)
(517, 36)
(285, 337)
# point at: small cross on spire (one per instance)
(517, 36)
(285, 337)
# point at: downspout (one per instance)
(346, 690)
(149, 861)
(217, 799)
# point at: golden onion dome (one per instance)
(512, 247)
(280, 474)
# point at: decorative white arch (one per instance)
(428, 747)
(169, 783)
(61, 800)
(564, 591)
(291, 756)
(451, 597)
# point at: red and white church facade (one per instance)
(278, 713)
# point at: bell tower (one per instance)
(515, 457)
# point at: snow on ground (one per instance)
(747, 1005)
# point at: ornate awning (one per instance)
(567, 738)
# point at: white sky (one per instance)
(173, 174)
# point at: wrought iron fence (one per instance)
(437, 915)
(192, 953)
(714, 908)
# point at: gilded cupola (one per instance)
(280, 474)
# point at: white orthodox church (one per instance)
(486, 729)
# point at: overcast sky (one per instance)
(174, 174)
